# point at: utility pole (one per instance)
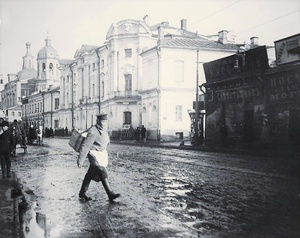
(197, 104)
(72, 96)
(99, 65)
(43, 95)
(86, 101)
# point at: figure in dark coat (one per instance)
(6, 147)
(94, 147)
(143, 133)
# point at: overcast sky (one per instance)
(71, 23)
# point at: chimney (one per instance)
(160, 34)
(223, 36)
(254, 41)
(183, 24)
(146, 19)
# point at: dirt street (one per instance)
(164, 193)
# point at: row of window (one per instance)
(14, 114)
(128, 54)
(38, 107)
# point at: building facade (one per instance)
(247, 101)
(142, 74)
(19, 86)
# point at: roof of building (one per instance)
(199, 42)
(16, 107)
(171, 30)
(26, 74)
(85, 49)
(65, 61)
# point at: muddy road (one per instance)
(164, 193)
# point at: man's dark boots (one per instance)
(84, 188)
(84, 197)
(110, 193)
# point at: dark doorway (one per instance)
(294, 125)
(248, 125)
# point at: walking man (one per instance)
(94, 147)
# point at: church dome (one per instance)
(47, 51)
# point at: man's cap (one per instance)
(5, 123)
(102, 116)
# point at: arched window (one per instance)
(51, 68)
(44, 67)
(127, 118)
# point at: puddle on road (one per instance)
(177, 202)
(33, 223)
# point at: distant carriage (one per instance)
(35, 135)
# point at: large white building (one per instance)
(142, 74)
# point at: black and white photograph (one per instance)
(150, 119)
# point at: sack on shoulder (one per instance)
(77, 139)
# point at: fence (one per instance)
(124, 134)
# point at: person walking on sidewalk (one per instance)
(6, 147)
(94, 147)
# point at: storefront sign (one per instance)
(288, 50)
(251, 60)
(234, 94)
(284, 86)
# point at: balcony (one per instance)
(126, 95)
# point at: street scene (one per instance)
(150, 119)
(165, 192)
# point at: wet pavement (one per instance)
(165, 192)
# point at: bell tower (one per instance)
(27, 58)
(48, 65)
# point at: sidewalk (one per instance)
(8, 208)
(253, 149)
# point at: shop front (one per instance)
(283, 104)
(254, 103)
(234, 99)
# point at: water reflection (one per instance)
(33, 224)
